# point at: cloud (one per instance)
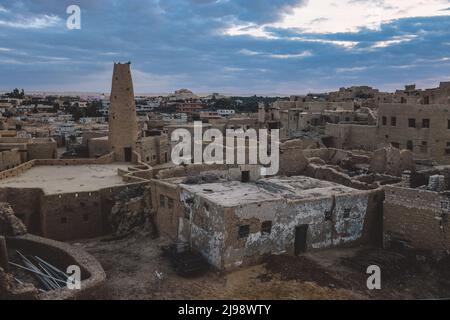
(237, 46)
(331, 16)
(351, 70)
(300, 55)
(34, 22)
(393, 41)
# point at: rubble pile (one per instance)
(10, 289)
(10, 225)
(131, 212)
(392, 161)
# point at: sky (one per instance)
(226, 46)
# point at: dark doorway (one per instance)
(300, 239)
(127, 153)
(245, 176)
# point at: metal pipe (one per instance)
(36, 272)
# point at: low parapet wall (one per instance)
(106, 159)
(17, 170)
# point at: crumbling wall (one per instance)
(292, 160)
(332, 175)
(9, 159)
(98, 146)
(201, 224)
(392, 161)
(416, 218)
(42, 149)
(352, 136)
(26, 205)
(132, 211)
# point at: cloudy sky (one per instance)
(228, 46)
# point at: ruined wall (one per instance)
(9, 159)
(416, 218)
(26, 205)
(98, 147)
(42, 149)
(352, 136)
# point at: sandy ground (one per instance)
(58, 179)
(130, 265)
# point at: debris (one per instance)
(50, 277)
(10, 225)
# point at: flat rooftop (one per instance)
(64, 179)
(235, 193)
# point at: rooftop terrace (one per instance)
(235, 193)
(65, 179)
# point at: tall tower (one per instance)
(123, 126)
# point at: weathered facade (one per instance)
(233, 223)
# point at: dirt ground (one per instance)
(131, 265)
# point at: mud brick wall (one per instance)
(71, 215)
(42, 149)
(416, 218)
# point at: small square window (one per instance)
(243, 231)
(393, 121)
(425, 123)
(384, 121)
(347, 212)
(63, 220)
(266, 227)
(412, 123)
(409, 145)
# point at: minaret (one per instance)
(123, 126)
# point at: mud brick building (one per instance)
(234, 223)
